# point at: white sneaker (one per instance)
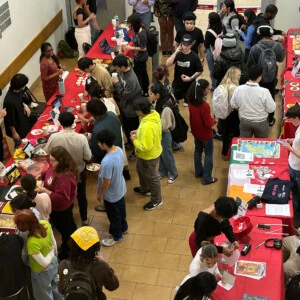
(110, 241)
(172, 179)
(185, 104)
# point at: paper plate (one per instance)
(93, 167)
(113, 38)
(52, 128)
(290, 105)
(295, 88)
(294, 83)
(36, 131)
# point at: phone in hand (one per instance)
(237, 28)
(280, 142)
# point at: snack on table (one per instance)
(41, 152)
(93, 167)
(6, 221)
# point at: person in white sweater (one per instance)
(160, 97)
(205, 261)
(254, 104)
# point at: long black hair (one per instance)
(250, 14)
(195, 93)
(215, 23)
(135, 22)
(231, 5)
(54, 57)
(158, 88)
(198, 287)
(28, 184)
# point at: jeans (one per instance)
(178, 23)
(81, 196)
(45, 283)
(204, 170)
(148, 178)
(295, 178)
(116, 213)
(93, 32)
(146, 18)
(140, 70)
(166, 159)
(166, 25)
(210, 64)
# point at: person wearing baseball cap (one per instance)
(187, 67)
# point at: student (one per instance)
(143, 10)
(228, 15)
(201, 124)
(187, 68)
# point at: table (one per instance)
(272, 285)
(262, 167)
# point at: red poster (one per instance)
(241, 10)
(205, 6)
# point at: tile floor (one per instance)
(154, 256)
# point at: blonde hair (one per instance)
(231, 76)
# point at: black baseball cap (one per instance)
(187, 39)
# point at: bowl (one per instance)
(41, 141)
(242, 226)
(37, 151)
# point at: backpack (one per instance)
(152, 40)
(267, 61)
(220, 102)
(77, 284)
(241, 19)
(218, 44)
(70, 38)
(179, 133)
(65, 50)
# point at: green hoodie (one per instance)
(148, 141)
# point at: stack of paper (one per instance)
(251, 297)
(227, 282)
(251, 269)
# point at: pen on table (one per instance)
(260, 245)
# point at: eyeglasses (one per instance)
(50, 50)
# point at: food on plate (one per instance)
(93, 167)
(7, 222)
(36, 131)
(294, 83)
(41, 152)
(39, 183)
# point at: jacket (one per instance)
(230, 57)
(162, 8)
(183, 6)
(148, 141)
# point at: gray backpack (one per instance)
(267, 61)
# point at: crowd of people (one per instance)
(243, 85)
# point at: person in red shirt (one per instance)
(60, 183)
(201, 126)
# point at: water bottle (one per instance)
(61, 85)
(117, 21)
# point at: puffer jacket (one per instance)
(230, 57)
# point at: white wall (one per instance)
(28, 18)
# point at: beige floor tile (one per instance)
(173, 203)
(125, 290)
(190, 193)
(184, 218)
(170, 190)
(100, 222)
(170, 278)
(140, 274)
(134, 213)
(170, 231)
(162, 260)
(151, 292)
(176, 246)
(127, 241)
(140, 227)
(149, 243)
(184, 263)
(118, 269)
(129, 256)
(158, 215)
(106, 252)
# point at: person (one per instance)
(159, 96)
(42, 200)
(12, 268)
(41, 248)
(50, 70)
(187, 68)
(98, 72)
(292, 290)
(84, 251)
(215, 28)
(189, 21)
(164, 14)
(91, 7)
(78, 145)
(265, 19)
(143, 10)
(205, 260)
(212, 222)
(201, 124)
(231, 56)
(140, 52)
(128, 88)
(254, 103)
(81, 20)
(246, 32)
(266, 42)
(230, 125)
(147, 142)
(199, 287)
(293, 146)
(2, 115)
(16, 122)
(112, 188)
(179, 8)
(60, 183)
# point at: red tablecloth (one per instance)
(277, 167)
(272, 285)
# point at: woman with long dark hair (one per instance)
(201, 124)
(227, 15)
(215, 28)
(50, 70)
(140, 52)
(163, 105)
(60, 183)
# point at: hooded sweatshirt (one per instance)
(148, 142)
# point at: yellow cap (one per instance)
(85, 237)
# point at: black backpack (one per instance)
(77, 284)
(152, 40)
(70, 38)
(242, 21)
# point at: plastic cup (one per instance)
(114, 75)
(78, 107)
(45, 130)
(80, 95)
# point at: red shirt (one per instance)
(201, 121)
(64, 189)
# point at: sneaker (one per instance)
(180, 148)
(132, 156)
(172, 179)
(217, 136)
(126, 175)
(272, 122)
(185, 104)
(164, 53)
(162, 176)
(100, 207)
(138, 191)
(86, 222)
(150, 205)
(125, 232)
(110, 241)
(169, 53)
